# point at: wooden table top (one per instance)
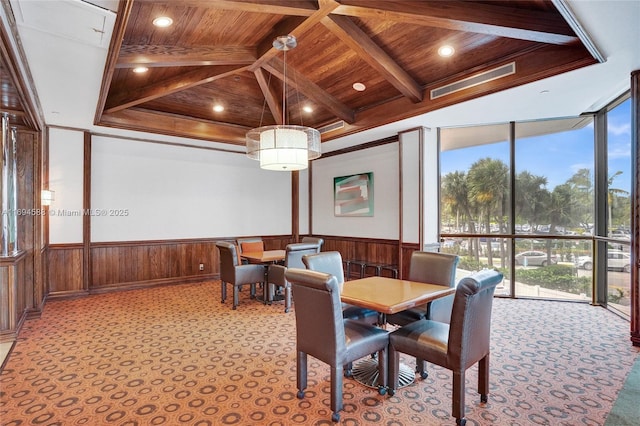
(266, 256)
(391, 295)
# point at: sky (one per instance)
(557, 156)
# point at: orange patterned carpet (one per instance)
(175, 355)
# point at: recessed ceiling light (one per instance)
(139, 70)
(162, 21)
(218, 108)
(359, 87)
(446, 51)
(307, 108)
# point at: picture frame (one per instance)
(353, 195)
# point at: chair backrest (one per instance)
(228, 260)
(329, 262)
(433, 267)
(319, 324)
(315, 240)
(470, 327)
(294, 253)
(250, 244)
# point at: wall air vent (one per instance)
(330, 127)
(484, 77)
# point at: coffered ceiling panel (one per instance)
(221, 53)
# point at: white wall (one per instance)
(152, 191)
(66, 153)
(383, 162)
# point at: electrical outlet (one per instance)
(202, 266)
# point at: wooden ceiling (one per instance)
(221, 52)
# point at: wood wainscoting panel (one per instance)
(16, 295)
(140, 263)
(65, 270)
(373, 251)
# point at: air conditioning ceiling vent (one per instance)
(481, 78)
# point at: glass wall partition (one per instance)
(618, 261)
(537, 236)
(520, 197)
(554, 207)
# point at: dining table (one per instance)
(388, 296)
(265, 257)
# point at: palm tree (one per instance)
(488, 186)
(455, 195)
(531, 195)
(612, 195)
(582, 186)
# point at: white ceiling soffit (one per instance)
(83, 22)
(463, 137)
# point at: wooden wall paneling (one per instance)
(86, 219)
(13, 297)
(6, 290)
(66, 270)
(135, 264)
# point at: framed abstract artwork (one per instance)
(353, 195)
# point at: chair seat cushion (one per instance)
(362, 339)
(424, 339)
(408, 316)
(357, 313)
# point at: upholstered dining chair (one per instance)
(275, 274)
(330, 262)
(455, 346)
(313, 240)
(231, 272)
(433, 268)
(248, 244)
(322, 333)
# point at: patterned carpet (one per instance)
(175, 355)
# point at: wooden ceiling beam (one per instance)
(276, 7)
(130, 98)
(296, 28)
(177, 56)
(350, 34)
(175, 125)
(271, 97)
(122, 18)
(500, 21)
(310, 90)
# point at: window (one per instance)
(619, 207)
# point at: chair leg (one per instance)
(348, 369)
(393, 369)
(266, 287)
(336, 392)
(252, 291)
(421, 368)
(457, 396)
(236, 298)
(483, 378)
(287, 297)
(223, 291)
(383, 372)
(301, 373)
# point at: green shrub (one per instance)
(556, 277)
(470, 264)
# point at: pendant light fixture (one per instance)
(283, 147)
